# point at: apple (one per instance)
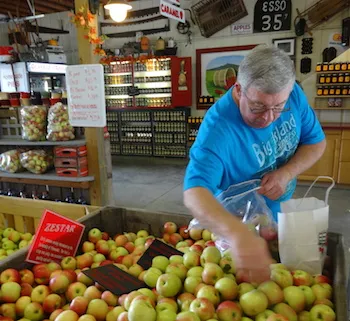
(183, 231)
(59, 283)
(21, 304)
(295, 298)
(195, 271)
(141, 310)
(228, 311)
(206, 235)
(166, 304)
(69, 263)
(113, 314)
(228, 265)
(177, 268)
(169, 227)
(151, 276)
(14, 236)
(142, 233)
(88, 317)
(166, 237)
(253, 302)
(166, 316)
(81, 277)
(304, 316)
(94, 235)
(227, 288)
(322, 279)
(123, 316)
(10, 292)
(147, 292)
(210, 255)
(135, 270)
(84, 261)
(102, 247)
(79, 305)
(324, 301)
(278, 317)
(187, 316)
(199, 286)
(191, 282)
(184, 300)
(322, 291)
(144, 298)
(34, 312)
(26, 289)
(160, 262)
(26, 236)
(322, 312)
(67, 315)
(92, 292)
(98, 308)
(10, 275)
(210, 293)
(110, 298)
(212, 273)
(130, 247)
(55, 314)
(52, 302)
(8, 310)
(39, 293)
(248, 319)
(27, 276)
(181, 244)
(278, 266)
(197, 248)
(203, 308)
(75, 289)
(129, 298)
(282, 277)
(191, 259)
(301, 278)
(23, 244)
(88, 246)
(308, 294)
(272, 291)
(195, 234)
(168, 285)
(285, 310)
(263, 316)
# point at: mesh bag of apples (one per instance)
(33, 121)
(37, 161)
(10, 161)
(59, 128)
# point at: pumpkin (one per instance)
(144, 43)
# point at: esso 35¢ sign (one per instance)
(272, 15)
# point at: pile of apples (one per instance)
(37, 161)
(59, 128)
(33, 121)
(10, 161)
(12, 240)
(200, 285)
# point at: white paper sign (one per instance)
(86, 96)
(169, 10)
(242, 28)
(14, 81)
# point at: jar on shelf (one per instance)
(344, 66)
(326, 91)
(338, 91)
(331, 67)
(344, 91)
(332, 91)
(328, 78)
(321, 80)
(341, 78)
(334, 78)
(325, 66)
(347, 78)
(337, 66)
(319, 67)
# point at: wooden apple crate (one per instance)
(24, 214)
(118, 220)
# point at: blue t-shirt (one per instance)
(227, 151)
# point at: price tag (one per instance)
(56, 238)
(272, 15)
(155, 249)
(114, 279)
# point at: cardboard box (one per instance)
(75, 151)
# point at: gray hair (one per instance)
(267, 69)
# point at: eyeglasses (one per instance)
(257, 108)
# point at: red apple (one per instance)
(105, 236)
(84, 260)
(322, 279)
(10, 292)
(88, 246)
(55, 314)
(10, 275)
(166, 237)
(26, 289)
(27, 276)
(196, 248)
(71, 275)
(130, 247)
(39, 293)
(229, 311)
(302, 278)
(175, 238)
(170, 228)
(92, 292)
(277, 317)
(183, 231)
(110, 298)
(95, 235)
(102, 247)
(21, 304)
(74, 290)
(79, 305)
(121, 240)
(59, 283)
(203, 308)
(67, 315)
(212, 273)
(52, 302)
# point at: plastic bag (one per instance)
(59, 128)
(10, 161)
(33, 121)
(37, 161)
(243, 201)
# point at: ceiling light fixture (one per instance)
(118, 9)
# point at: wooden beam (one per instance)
(52, 5)
(101, 187)
(12, 6)
(5, 9)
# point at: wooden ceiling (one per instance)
(20, 8)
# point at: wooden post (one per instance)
(100, 189)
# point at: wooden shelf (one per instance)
(333, 84)
(334, 72)
(344, 96)
(50, 179)
(118, 73)
(22, 142)
(331, 108)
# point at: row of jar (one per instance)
(118, 80)
(334, 78)
(336, 66)
(332, 90)
(119, 103)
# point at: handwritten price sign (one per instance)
(86, 96)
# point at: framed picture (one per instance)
(286, 44)
(217, 70)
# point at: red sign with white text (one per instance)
(56, 238)
(171, 11)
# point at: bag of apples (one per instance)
(10, 161)
(243, 201)
(37, 161)
(33, 121)
(59, 128)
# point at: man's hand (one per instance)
(274, 184)
(252, 257)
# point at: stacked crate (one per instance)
(71, 161)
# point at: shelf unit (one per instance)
(161, 132)
(22, 142)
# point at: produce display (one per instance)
(37, 161)
(200, 285)
(10, 161)
(33, 121)
(59, 128)
(12, 241)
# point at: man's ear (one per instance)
(238, 88)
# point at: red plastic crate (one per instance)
(72, 172)
(77, 162)
(76, 151)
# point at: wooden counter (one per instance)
(335, 161)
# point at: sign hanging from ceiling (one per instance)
(171, 11)
(272, 15)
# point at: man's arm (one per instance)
(249, 251)
(273, 185)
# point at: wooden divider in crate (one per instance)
(24, 215)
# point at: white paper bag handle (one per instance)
(328, 189)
